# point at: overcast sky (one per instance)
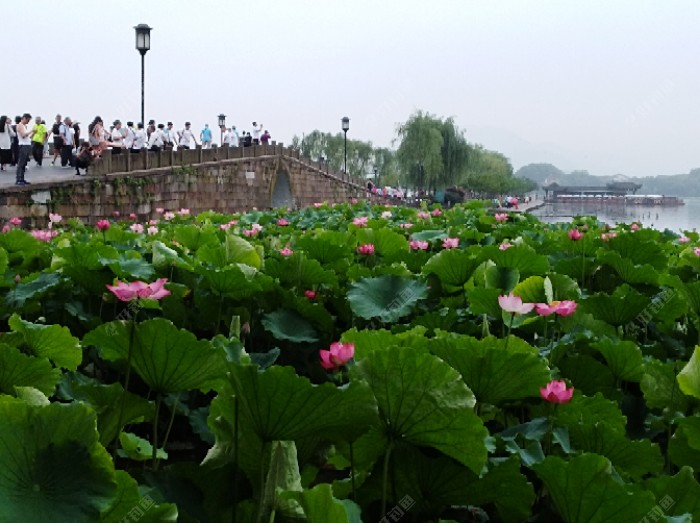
(608, 86)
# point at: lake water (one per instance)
(675, 218)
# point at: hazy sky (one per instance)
(609, 86)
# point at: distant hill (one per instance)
(671, 185)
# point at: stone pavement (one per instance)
(36, 174)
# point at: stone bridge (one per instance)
(224, 180)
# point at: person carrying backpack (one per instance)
(57, 139)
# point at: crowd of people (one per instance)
(21, 141)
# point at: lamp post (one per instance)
(222, 126)
(375, 177)
(143, 44)
(346, 127)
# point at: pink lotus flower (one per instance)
(133, 216)
(556, 392)
(103, 225)
(310, 294)
(137, 228)
(405, 225)
(338, 355)
(561, 308)
(514, 304)
(153, 222)
(683, 239)
(366, 249)
(697, 251)
(184, 212)
(152, 230)
(318, 204)
(436, 212)
(505, 246)
(55, 218)
(250, 232)
(286, 251)
(424, 215)
(225, 226)
(386, 215)
(450, 243)
(132, 291)
(44, 236)
(501, 217)
(16, 220)
(18, 278)
(282, 222)
(417, 245)
(256, 227)
(160, 210)
(168, 215)
(634, 227)
(354, 201)
(233, 222)
(575, 235)
(6, 228)
(360, 221)
(116, 214)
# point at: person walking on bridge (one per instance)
(205, 136)
(40, 136)
(187, 137)
(57, 140)
(24, 141)
(6, 135)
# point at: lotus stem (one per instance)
(127, 376)
(154, 452)
(352, 473)
(385, 475)
(235, 459)
(172, 419)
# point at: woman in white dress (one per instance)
(6, 135)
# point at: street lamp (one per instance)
(375, 177)
(346, 127)
(143, 44)
(222, 126)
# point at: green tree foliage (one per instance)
(331, 147)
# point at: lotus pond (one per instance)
(349, 363)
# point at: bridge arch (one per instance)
(281, 187)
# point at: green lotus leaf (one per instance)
(193, 237)
(165, 257)
(299, 271)
(84, 264)
(502, 278)
(48, 341)
(590, 410)
(585, 489)
(280, 405)
(390, 245)
(17, 369)
(423, 401)
(532, 290)
(454, 267)
(627, 270)
(521, 257)
(53, 467)
(638, 250)
(677, 495)
(660, 387)
(587, 374)
(231, 281)
(130, 504)
(166, 358)
(32, 289)
(493, 373)
(386, 297)
(20, 246)
(106, 401)
(484, 301)
(684, 447)
(233, 250)
(326, 247)
(615, 310)
(624, 359)
(319, 506)
(366, 341)
(429, 485)
(689, 376)
(429, 235)
(636, 458)
(285, 324)
(130, 265)
(4, 260)
(563, 287)
(137, 449)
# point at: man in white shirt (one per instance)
(117, 138)
(170, 137)
(24, 136)
(67, 134)
(234, 139)
(140, 138)
(187, 137)
(129, 135)
(157, 139)
(256, 133)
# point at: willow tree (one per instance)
(420, 152)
